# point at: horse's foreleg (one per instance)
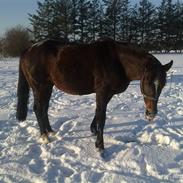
(41, 104)
(102, 99)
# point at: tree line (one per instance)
(152, 27)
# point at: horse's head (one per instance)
(152, 83)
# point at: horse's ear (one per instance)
(166, 67)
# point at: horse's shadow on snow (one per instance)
(124, 133)
(139, 127)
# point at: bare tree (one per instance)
(16, 40)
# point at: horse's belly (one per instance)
(75, 88)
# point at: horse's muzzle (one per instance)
(150, 115)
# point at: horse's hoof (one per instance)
(101, 150)
(44, 139)
(100, 146)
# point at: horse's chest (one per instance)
(119, 82)
(120, 87)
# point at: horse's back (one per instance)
(75, 69)
(83, 69)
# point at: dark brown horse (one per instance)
(104, 67)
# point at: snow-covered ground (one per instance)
(136, 151)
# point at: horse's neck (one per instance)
(134, 67)
(133, 61)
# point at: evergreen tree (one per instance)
(146, 23)
(166, 27)
(83, 20)
(133, 24)
(94, 20)
(42, 21)
(125, 34)
(87, 20)
(178, 27)
(74, 20)
(62, 18)
(112, 18)
(101, 19)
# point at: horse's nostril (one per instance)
(147, 113)
(151, 113)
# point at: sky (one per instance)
(15, 12)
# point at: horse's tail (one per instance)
(22, 93)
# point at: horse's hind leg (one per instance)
(42, 96)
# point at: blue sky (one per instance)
(15, 12)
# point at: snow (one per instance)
(136, 151)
